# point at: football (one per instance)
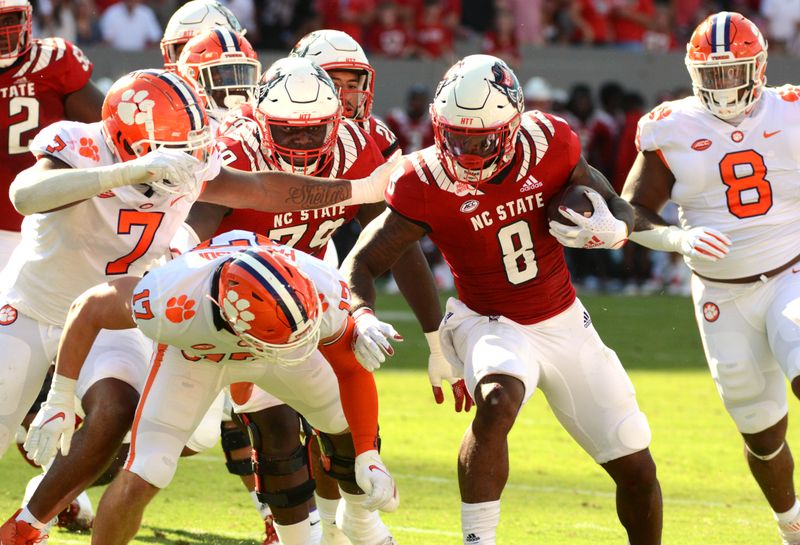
(571, 196)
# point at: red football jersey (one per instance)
(412, 134)
(381, 134)
(355, 155)
(32, 93)
(495, 239)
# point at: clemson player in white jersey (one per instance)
(344, 60)
(104, 200)
(726, 156)
(237, 308)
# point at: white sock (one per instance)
(295, 534)
(316, 527)
(359, 524)
(262, 508)
(479, 522)
(789, 516)
(26, 516)
(327, 509)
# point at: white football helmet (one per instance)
(15, 38)
(336, 50)
(299, 111)
(476, 116)
(191, 18)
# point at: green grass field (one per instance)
(556, 495)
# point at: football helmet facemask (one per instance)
(727, 61)
(476, 116)
(299, 111)
(271, 305)
(224, 65)
(191, 18)
(16, 21)
(336, 51)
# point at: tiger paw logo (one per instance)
(135, 108)
(8, 315)
(179, 309)
(710, 312)
(235, 309)
(789, 93)
(88, 149)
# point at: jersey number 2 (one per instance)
(749, 192)
(149, 221)
(31, 120)
(519, 259)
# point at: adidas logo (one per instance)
(530, 184)
(587, 320)
(594, 242)
(472, 538)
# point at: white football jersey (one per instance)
(116, 233)
(172, 304)
(742, 180)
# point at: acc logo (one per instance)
(737, 136)
(469, 206)
(701, 144)
(135, 108)
(8, 315)
(710, 312)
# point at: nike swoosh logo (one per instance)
(373, 467)
(176, 199)
(771, 134)
(315, 522)
(60, 415)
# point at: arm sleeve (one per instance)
(357, 389)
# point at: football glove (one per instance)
(439, 369)
(376, 482)
(54, 424)
(702, 243)
(600, 230)
(371, 339)
(372, 188)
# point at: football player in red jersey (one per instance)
(41, 81)
(347, 65)
(297, 126)
(480, 193)
(190, 19)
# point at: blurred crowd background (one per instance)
(603, 113)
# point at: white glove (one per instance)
(374, 479)
(439, 369)
(172, 172)
(373, 187)
(600, 230)
(371, 339)
(698, 243)
(54, 423)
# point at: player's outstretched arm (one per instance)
(51, 184)
(106, 306)
(648, 188)
(285, 192)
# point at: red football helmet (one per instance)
(334, 50)
(225, 66)
(299, 113)
(727, 60)
(147, 109)
(271, 305)
(15, 32)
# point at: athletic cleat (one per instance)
(15, 532)
(790, 533)
(271, 537)
(78, 516)
(332, 535)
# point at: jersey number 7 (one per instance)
(149, 221)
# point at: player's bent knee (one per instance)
(234, 439)
(335, 463)
(267, 467)
(500, 399)
(633, 432)
(157, 470)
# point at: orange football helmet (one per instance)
(224, 65)
(727, 61)
(15, 39)
(271, 305)
(147, 109)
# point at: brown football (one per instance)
(571, 196)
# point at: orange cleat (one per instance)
(15, 532)
(271, 537)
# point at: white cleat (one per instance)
(332, 535)
(790, 533)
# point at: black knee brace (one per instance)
(233, 438)
(266, 467)
(341, 468)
